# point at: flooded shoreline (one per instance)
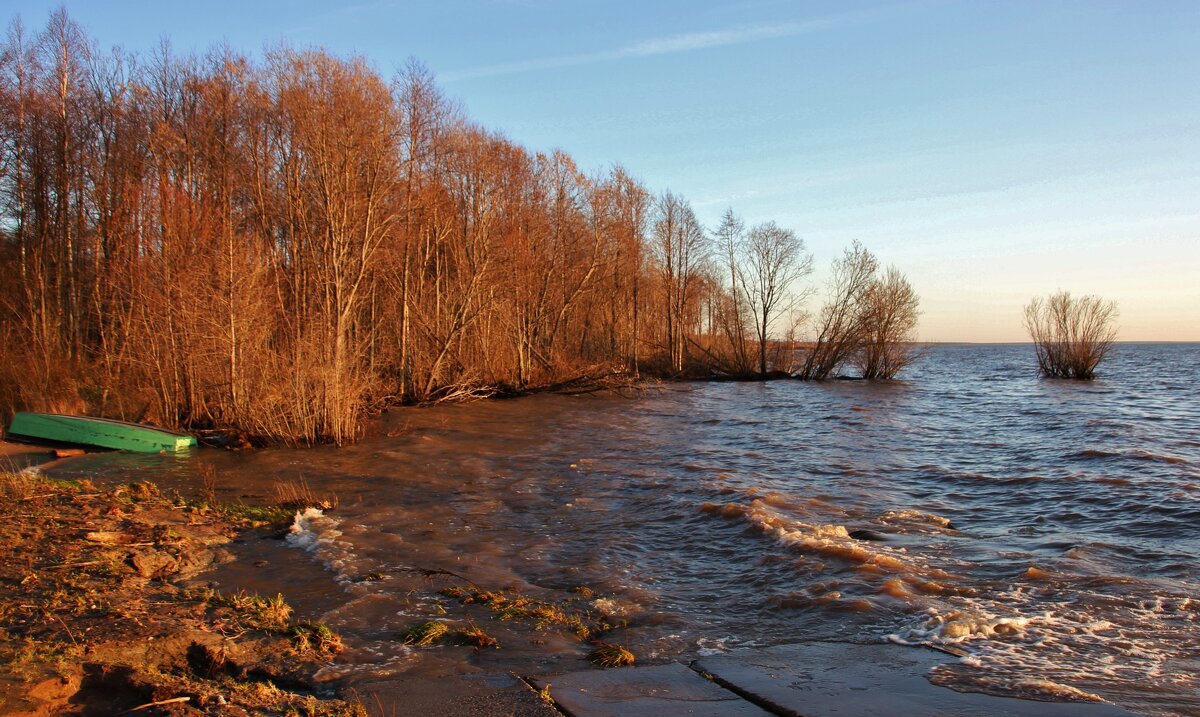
(1041, 529)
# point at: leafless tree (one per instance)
(774, 259)
(280, 245)
(681, 248)
(1071, 336)
(840, 320)
(631, 208)
(732, 313)
(889, 319)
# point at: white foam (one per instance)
(1054, 690)
(825, 540)
(615, 607)
(956, 626)
(707, 647)
(910, 515)
(319, 534)
(1027, 641)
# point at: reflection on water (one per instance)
(1047, 529)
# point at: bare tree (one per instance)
(889, 319)
(730, 236)
(681, 246)
(1071, 336)
(280, 245)
(631, 207)
(774, 260)
(839, 323)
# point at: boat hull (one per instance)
(99, 432)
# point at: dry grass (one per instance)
(426, 633)
(476, 637)
(249, 610)
(297, 494)
(606, 655)
(73, 591)
(582, 622)
(317, 638)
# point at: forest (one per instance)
(281, 246)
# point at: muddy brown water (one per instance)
(1047, 529)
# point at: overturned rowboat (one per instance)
(98, 432)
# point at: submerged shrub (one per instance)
(1071, 336)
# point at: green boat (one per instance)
(99, 432)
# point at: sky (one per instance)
(992, 151)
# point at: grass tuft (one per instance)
(316, 637)
(253, 610)
(608, 655)
(477, 638)
(426, 633)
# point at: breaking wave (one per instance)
(314, 532)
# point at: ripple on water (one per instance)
(1045, 528)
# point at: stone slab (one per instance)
(825, 679)
(477, 695)
(644, 692)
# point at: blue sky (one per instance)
(991, 150)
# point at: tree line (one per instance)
(281, 245)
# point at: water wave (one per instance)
(1076, 641)
(314, 532)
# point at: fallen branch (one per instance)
(160, 703)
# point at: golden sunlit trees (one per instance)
(631, 205)
(839, 322)
(1071, 335)
(279, 246)
(731, 314)
(427, 120)
(680, 247)
(340, 128)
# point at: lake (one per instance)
(1045, 531)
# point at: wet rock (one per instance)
(865, 534)
(644, 692)
(825, 679)
(478, 695)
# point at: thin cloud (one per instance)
(666, 45)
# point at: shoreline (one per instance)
(449, 692)
(109, 618)
(101, 613)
